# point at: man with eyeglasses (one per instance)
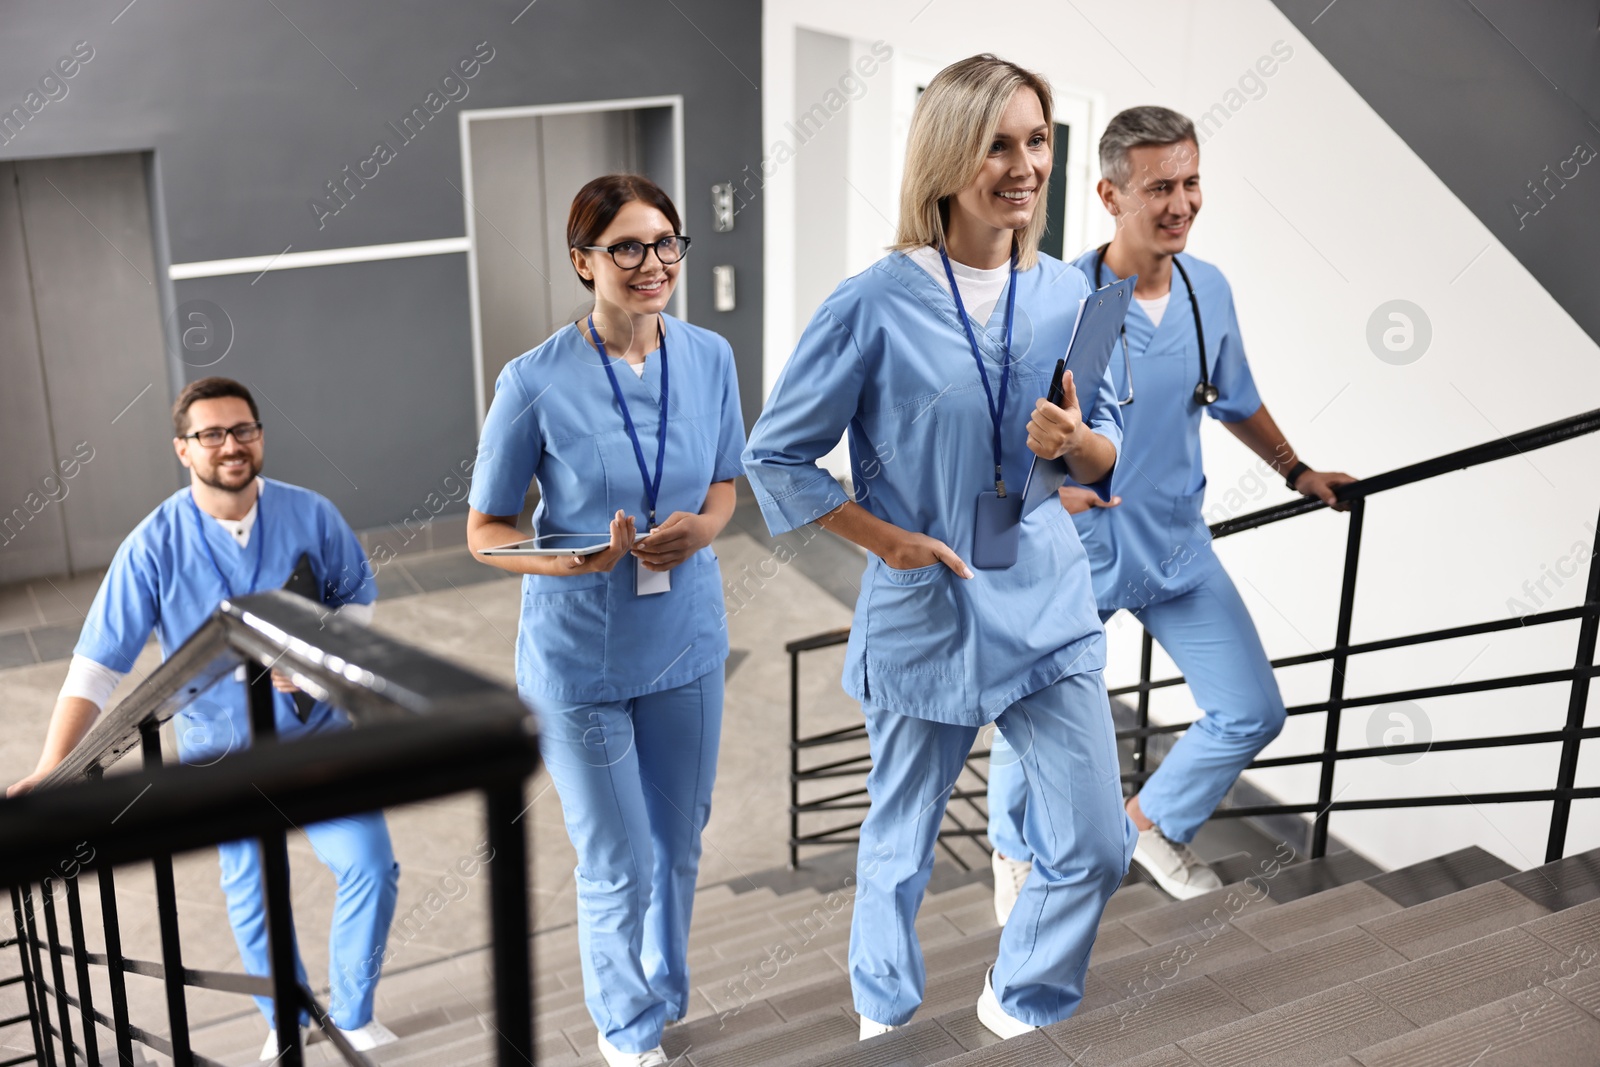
(228, 534)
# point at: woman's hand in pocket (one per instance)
(913, 550)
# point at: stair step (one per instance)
(1131, 1027)
(1465, 977)
(1307, 1032)
(1147, 972)
(1441, 876)
(1564, 884)
(1292, 973)
(1512, 1032)
(1189, 918)
(1310, 917)
(787, 1044)
(1434, 925)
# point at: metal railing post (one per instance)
(41, 1037)
(508, 911)
(119, 988)
(41, 985)
(1577, 707)
(275, 885)
(1141, 744)
(80, 958)
(794, 760)
(167, 920)
(1341, 654)
(47, 901)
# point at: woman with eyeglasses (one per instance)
(937, 362)
(628, 419)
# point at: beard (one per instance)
(213, 477)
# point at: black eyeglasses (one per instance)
(213, 436)
(629, 254)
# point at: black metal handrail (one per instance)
(428, 729)
(1571, 735)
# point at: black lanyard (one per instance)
(1204, 391)
(997, 412)
(652, 487)
(260, 535)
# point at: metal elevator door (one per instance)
(84, 385)
(525, 172)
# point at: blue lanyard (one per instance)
(997, 412)
(652, 487)
(260, 538)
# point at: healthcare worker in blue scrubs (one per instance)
(936, 363)
(228, 534)
(629, 421)
(1148, 545)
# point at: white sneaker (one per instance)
(615, 1057)
(366, 1038)
(269, 1051)
(1009, 874)
(1173, 866)
(872, 1028)
(994, 1017)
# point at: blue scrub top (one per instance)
(554, 420)
(1155, 545)
(161, 580)
(885, 361)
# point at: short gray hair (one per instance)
(1139, 126)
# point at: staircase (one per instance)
(1454, 961)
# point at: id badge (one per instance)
(996, 530)
(647, 582)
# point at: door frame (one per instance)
(465, 119)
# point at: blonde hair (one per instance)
(951, 130)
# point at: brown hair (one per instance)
(597, 204)
(208, 389)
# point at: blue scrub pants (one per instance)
(357, 850)
(1209, 634)
(634, 777)
(1080, 837)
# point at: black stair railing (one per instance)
(856, 761)
(426, 729)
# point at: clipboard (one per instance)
(1088, 355)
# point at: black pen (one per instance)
(1058, 392)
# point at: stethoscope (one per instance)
(1205, 390)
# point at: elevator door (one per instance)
(526, 168)
(84, 433)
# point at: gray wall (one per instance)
(1489, 94)
(368, 366)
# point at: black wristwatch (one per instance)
(1295, 472)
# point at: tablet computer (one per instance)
(554, 545)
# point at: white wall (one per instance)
(1319, 214)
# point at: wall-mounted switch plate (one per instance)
(722, 207)
(722, 287)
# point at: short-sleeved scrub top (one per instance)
(162, 580)
(554, 420)
(885, 362)
(1155, 544)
